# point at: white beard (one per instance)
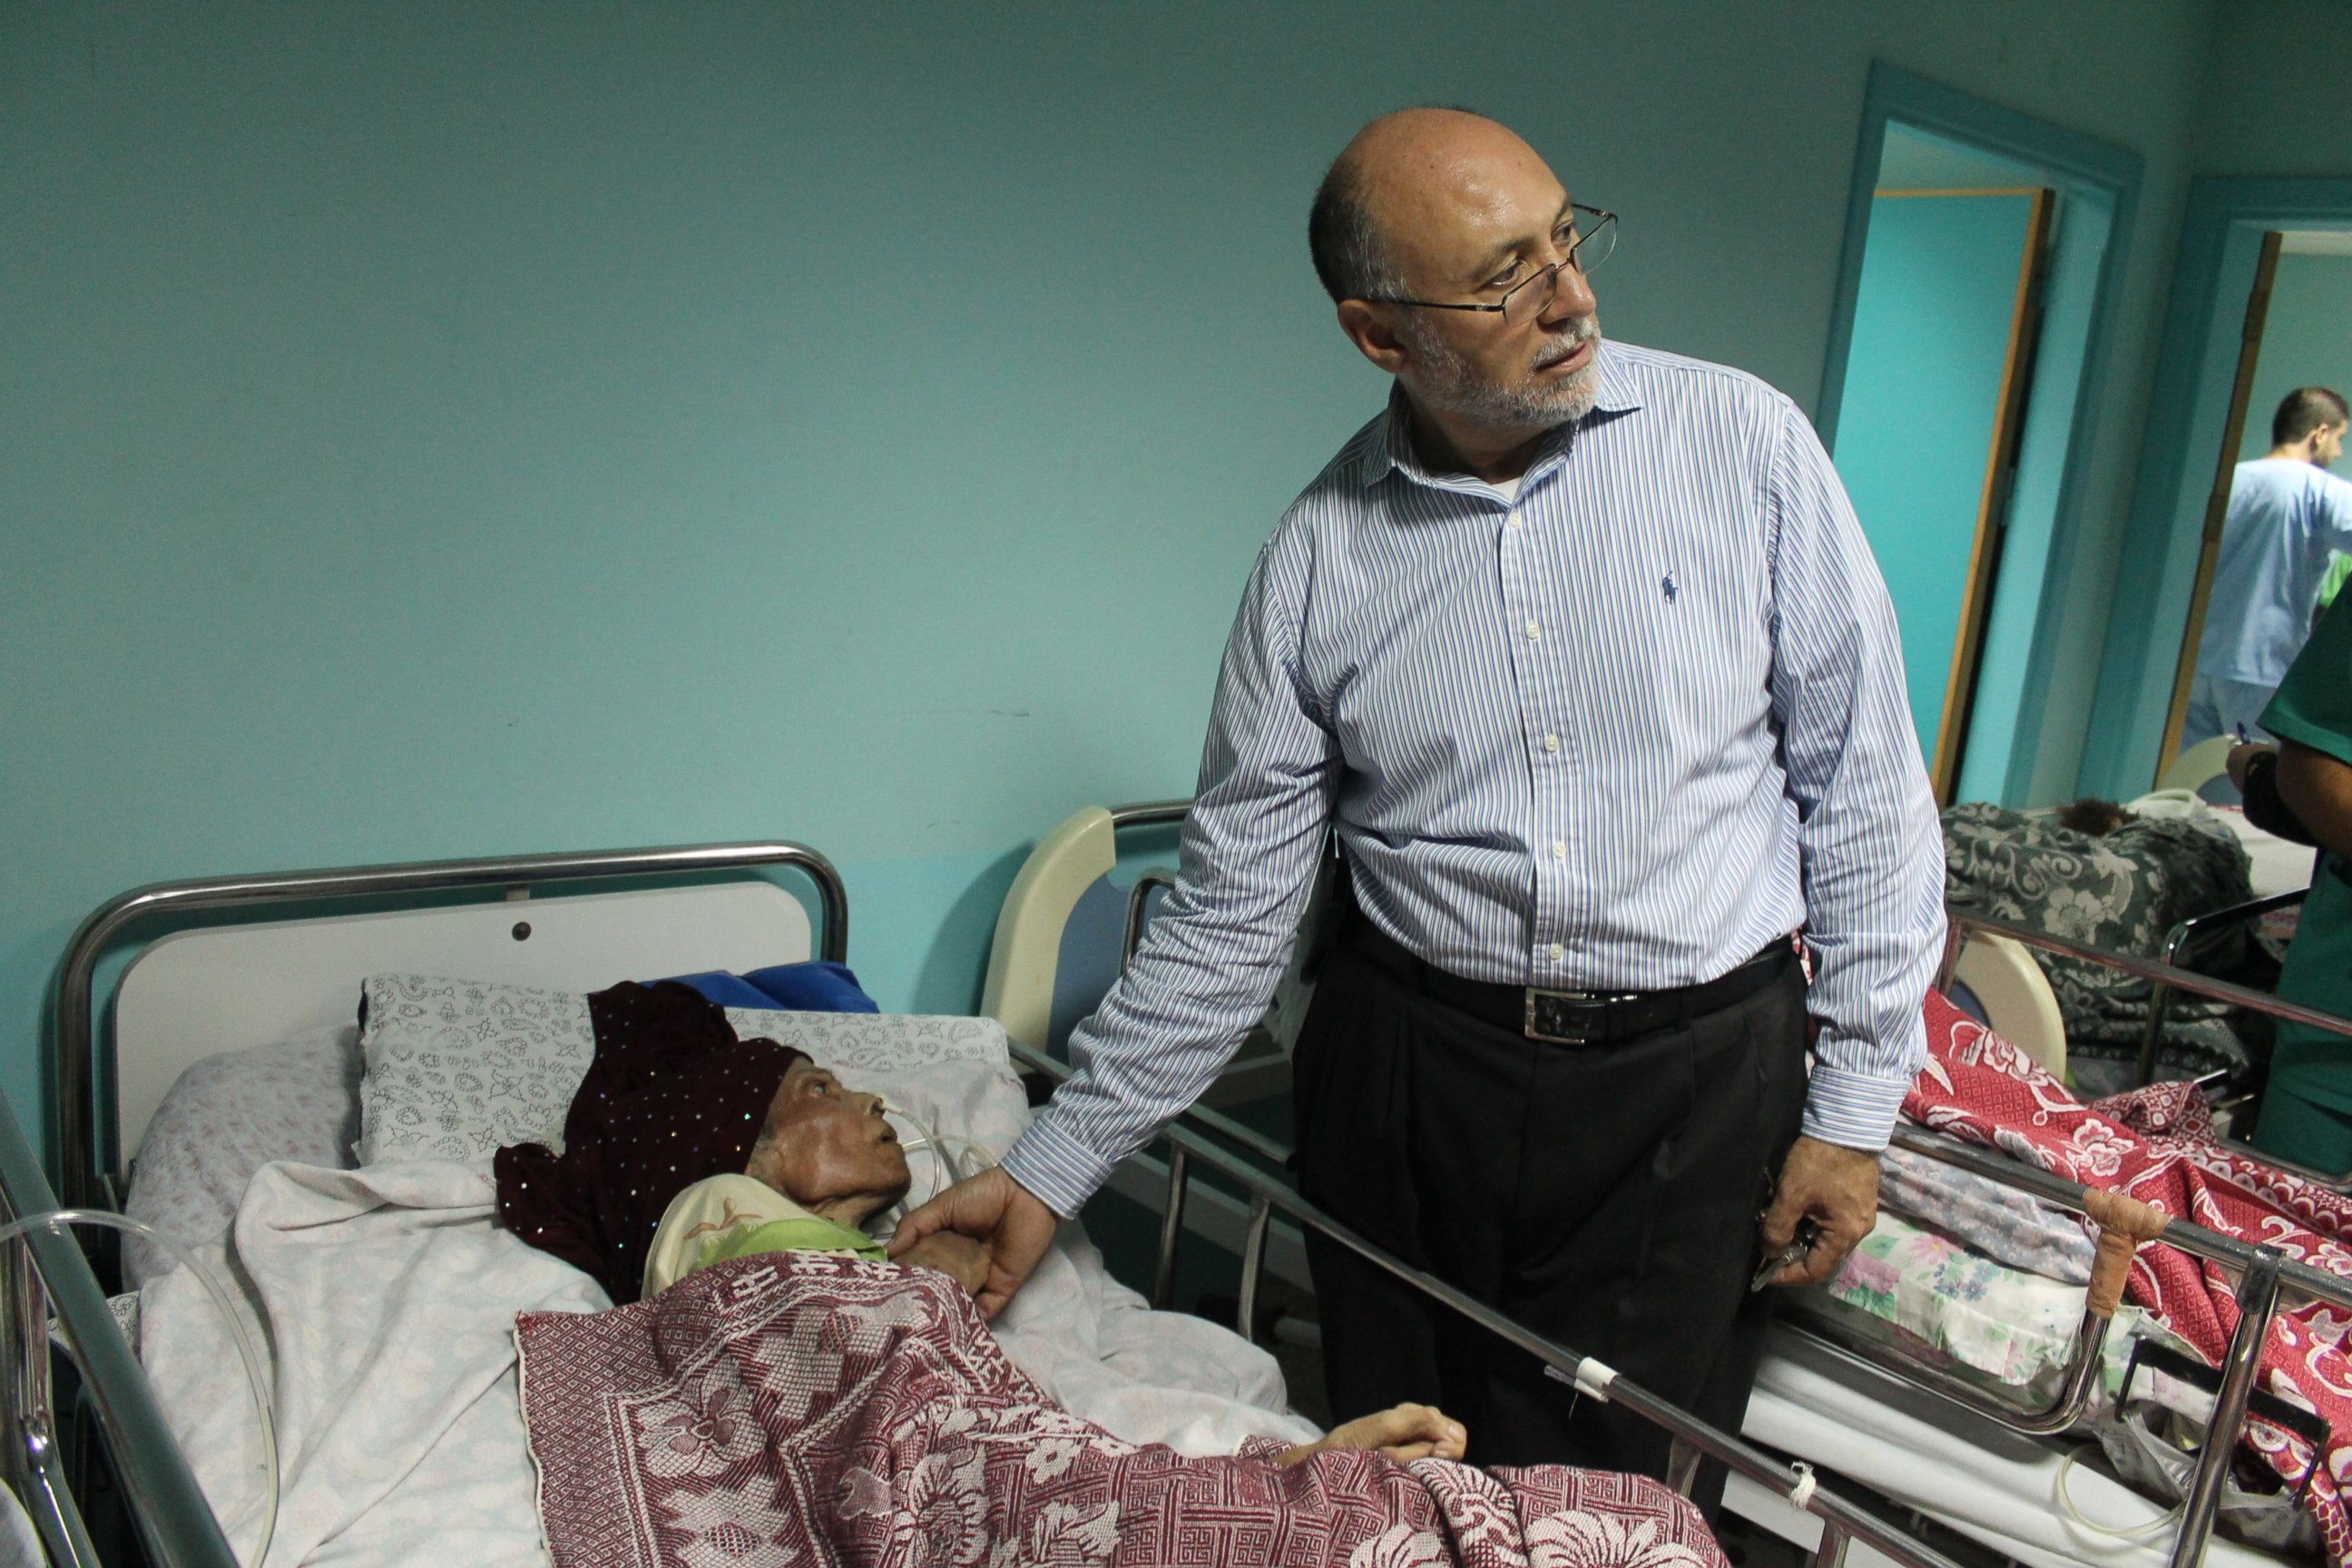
(1448, 384)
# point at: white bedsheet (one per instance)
(389, 1295)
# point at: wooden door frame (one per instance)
(2216, 504)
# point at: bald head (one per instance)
(1409, 177)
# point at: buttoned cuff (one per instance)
(1056, 1167)
(1854, 1110)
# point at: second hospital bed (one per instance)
(1869, 1401)
(90, 1451)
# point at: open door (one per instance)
(1944, 334)
(2217, 505)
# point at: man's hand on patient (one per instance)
(1837, 1189)
(1406, 1433)
(959, 1256)
(1012, 1224)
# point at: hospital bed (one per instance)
(1986, 1463)
(166, 976)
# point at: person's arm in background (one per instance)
(2318, 789)
(2254, 768)
(1871, 848)
(1209, 962)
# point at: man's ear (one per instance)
(1374, 335)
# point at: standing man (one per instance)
(1580, 649)
(2287, 515)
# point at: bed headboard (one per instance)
(190, 994)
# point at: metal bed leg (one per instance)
(2257, 1301)
(1261, 1219)
(1682, 1466)
(1171, 1227)
(34, 1456)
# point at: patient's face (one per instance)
(826, 1144)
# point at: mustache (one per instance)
(1570, 336)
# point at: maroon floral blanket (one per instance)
(809, 1408)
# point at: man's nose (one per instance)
(1572, 298)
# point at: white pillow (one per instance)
(458, 1068)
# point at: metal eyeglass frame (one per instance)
(1603, 222)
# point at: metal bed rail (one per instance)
(45, 1273)
(92, 1170)
(2263, 1273)
(1842, 1522)
(2177, 943)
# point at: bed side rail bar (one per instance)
(71, 1045)
(1841, 1521)
(1959, 925)
(46, 1272)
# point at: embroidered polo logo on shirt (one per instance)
(1669, 586)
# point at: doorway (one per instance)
(1983, 250)
(2297, 333)
(2199, 365)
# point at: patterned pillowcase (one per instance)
(458, 1068)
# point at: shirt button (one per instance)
(1558, 953)
(1551, 742)
(1515, 519)
(1534, 631)
(1559, 849)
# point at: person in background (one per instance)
(2288, 515)
(2302, 789)
(1578, 650)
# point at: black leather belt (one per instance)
(1572, 1018)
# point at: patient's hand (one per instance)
(1407, 1433)
(959, 1256)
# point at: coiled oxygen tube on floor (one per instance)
(58, 1220)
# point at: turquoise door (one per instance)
(1933, 392)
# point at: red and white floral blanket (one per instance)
(2157, 1145)
(807, 1409)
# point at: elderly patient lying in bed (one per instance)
(791, 1384)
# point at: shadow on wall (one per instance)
(890, 901)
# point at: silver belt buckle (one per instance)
(1558, 1017)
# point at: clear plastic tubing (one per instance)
(57, 1219)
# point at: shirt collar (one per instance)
(1392, 450)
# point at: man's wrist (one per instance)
(1054, 1168)
(1852, 1109)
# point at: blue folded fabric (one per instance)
(817, 986)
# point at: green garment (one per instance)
(2340, 570)
(2313, 708)
(809, 1235)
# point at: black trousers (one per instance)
(1604, 1195)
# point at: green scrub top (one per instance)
(2314, 706)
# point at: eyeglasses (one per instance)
(1596, 236)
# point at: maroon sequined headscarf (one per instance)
(673, 1097)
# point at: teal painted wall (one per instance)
(2306, 341)
(439, 429)
(1923, 389)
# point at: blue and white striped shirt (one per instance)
(1614, 735)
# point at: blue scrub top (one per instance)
(2286, 517)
